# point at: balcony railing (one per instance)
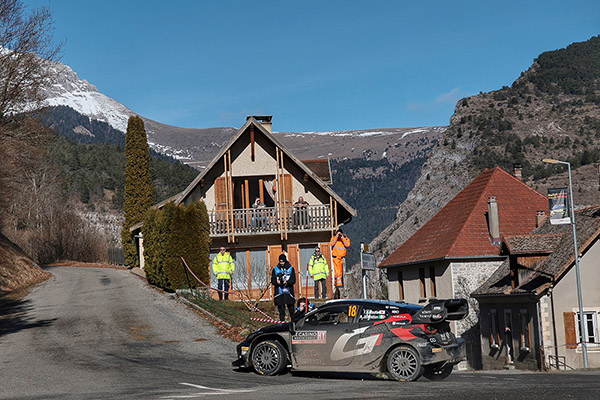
(270, 220)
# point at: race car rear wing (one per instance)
(442, 310)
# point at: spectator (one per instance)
(319, 271)
(301, 213)
(223, 267)
(283, 279)
(258, 214)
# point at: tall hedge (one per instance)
(138, 184)
(172, 233)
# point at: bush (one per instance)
(170, 234)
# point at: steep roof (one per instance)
(554, 266)
(460, 229)
(252, 121)
(531, 244)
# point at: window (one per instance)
(525, 341)
(332, 316)
(590, 326)
(400, 286)
(494, 332)
(432, 281)
(422, 282)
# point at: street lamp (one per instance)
(580, 301)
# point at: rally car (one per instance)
(402, 340)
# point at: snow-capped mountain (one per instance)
(83, 97)
(197, 147)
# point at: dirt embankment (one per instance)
(17, 271)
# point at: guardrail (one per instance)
(270, 220)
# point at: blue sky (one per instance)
(313, 65)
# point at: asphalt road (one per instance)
(105, 334)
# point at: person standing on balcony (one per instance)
(223, 267)
(283, 279)
(319, 271)
(258, 214)
(339, 244)
(301, 213)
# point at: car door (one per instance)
(373, 340)
(325, 338)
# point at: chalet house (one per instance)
(529, 309)
(460, 247)
(253, 165)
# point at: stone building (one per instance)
(529, 309)
(460, 247)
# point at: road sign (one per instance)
(368, 261)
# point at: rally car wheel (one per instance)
(269, 357)
(438, 374)
(404, 364)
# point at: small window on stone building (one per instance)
(432, 281)
(494, 332)
(422, 282)
(400, 286)
(525, 334)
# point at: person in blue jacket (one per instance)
(283, 279)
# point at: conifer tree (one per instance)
(138, 185)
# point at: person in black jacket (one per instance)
(283, 279)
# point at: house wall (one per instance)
(412, 284)
(495, 346)
(264, 165)
(565, 300)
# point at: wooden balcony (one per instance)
(250, 221)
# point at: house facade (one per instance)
(255, 166)
(529, 309)
(460, 247)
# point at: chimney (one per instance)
(517, 169)
(493, 222)
(264, 120)
(540, 217)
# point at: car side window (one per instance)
(371, 314)
(330, 316)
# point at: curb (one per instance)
(185, 301)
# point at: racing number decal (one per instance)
(352, 311)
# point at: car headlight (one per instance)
(244, 350)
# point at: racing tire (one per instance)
(269, 357)
(404, 364)
(438, 374)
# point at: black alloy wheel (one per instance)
(404, 364)
(269, 357)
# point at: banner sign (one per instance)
(558, 200)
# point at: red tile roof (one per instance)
(460, 229)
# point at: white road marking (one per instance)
(211, 391)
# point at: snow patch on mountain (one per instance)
(83, 97)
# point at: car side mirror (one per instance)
(298, 324)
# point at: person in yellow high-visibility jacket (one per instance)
(318, 269)
(339, 244)
(223, 267)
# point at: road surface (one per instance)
(105, 334)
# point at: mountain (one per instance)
(197, 147)
(551, 111)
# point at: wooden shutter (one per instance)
(220, 193)
(570, 331)
(288, 190)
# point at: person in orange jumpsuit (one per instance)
(339, 244)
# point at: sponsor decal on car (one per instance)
(310, 337)
(363, 345)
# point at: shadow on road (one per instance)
(14, 316)
(327, 374)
